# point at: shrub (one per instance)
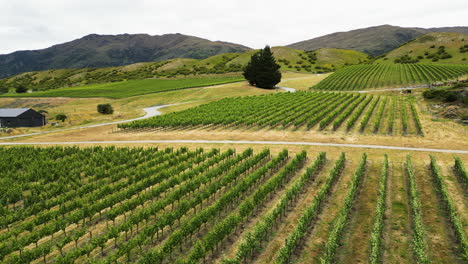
(3, 89)
(451, 97)
(61, 117)
(21, 89)
(105, 109)
(447, 96)
(406, 59)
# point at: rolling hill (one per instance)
(113, 50)
(373, 40)
(322, 60)
(439, 47)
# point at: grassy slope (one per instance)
(133, 87)
(338, 57)
(422, 44)
(325, 58)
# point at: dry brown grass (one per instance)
(301, 81)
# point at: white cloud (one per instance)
(32, 24)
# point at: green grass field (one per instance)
(124, 89)
(358, 77)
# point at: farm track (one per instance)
(201, 141)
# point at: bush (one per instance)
(61, 117)
(451, 97)
(444, 95)
(21, 89)
(406, 59)
(105, 109)
(3, 89)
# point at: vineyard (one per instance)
(359, 77)
(301, 110)
(150, 205)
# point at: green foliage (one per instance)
(253, 240)
(388, 75)
(334, 237)
(417, 122)
(343, 113)
(377, 229)
(105, 109)
(419, 240)
(440, 54)
(4, 89)
(262, 69)
(464, 48)
(445, 95)
(461, 171)
(188, 227)
(380, 114)
(406, 59)
(450, 208)
(359, 111)
(368, 115)
(21, 89)
(61, 117)
(218, 233)
(310, 213)
(294, 110)
(404, 116)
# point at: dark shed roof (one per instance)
(12, 112)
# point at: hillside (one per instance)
(432, 48)
(318, 61)
(373, 40)
(113, 50)
(322, 60)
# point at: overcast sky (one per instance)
(36, 24)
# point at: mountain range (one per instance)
(373, 40)
(94, 51)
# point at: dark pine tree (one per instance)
(251, 68)
(262, 70)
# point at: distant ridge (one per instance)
(113, 50)
(372, 40)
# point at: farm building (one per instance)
(21, 117)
